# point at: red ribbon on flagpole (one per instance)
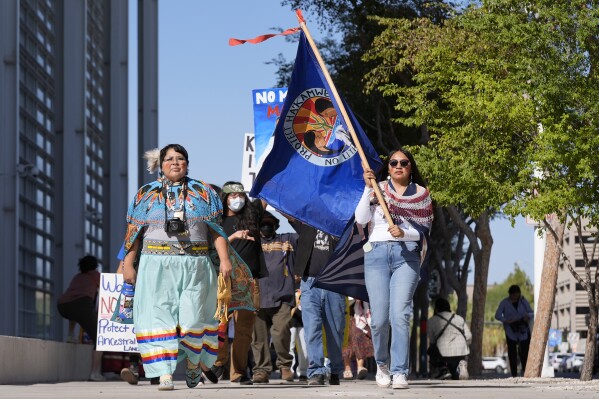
(260, 39)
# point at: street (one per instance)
(514, 388)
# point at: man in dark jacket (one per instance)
(276, 302)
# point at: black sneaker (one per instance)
(217, 371)
(444, 374)
(210, 376)
(243, 380)
(302, 378)
(334, 379)
(316, 379)
(155, 381)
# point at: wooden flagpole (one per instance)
(350, 127)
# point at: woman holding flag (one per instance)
(392, 259)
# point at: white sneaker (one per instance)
(463, 370)
(400, 381)
(95, 376)
(383, 379)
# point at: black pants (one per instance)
(82, 311)
(447, 363)
(452, 365)
(515, 348)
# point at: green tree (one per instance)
(350, 33)
(506, 90)
(564, 86)
(468, 107)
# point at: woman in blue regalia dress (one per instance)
(172, 223)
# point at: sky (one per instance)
(205, 96)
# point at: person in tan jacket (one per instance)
(452, 336)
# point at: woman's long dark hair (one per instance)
(248, 215)
(415, 173)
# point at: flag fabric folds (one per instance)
(344, 272)
(313, 172)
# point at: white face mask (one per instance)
(235, 204)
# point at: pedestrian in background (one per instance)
(320, 307)
(450, 333)
(515, 313)
(359, 343)
(241, 222)
(297, 344)
(392, 258)
(276, 301)
(78, 303)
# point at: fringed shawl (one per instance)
(202, 204)
(413, 207)
(147, 208)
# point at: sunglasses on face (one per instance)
(403, 163)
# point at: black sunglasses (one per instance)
(403, 163)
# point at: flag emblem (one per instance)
(314, 129)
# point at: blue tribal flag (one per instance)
(313, 172)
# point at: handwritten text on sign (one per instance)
(113, 337)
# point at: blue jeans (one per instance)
(322, 308)
(392, 271)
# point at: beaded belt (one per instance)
(194, 248)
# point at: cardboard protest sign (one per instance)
(112, 336)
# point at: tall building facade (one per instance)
(571, 309)
(64, 129)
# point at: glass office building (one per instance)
(64, 128)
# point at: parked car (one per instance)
(577, 361)
(572, 363)
(496, 364)
(565, 364)
(555, 359)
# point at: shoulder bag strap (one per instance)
(445, 327)
(456, 327)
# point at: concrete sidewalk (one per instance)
(504, 388)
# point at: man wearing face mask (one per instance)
(276, 301)
(241, 222)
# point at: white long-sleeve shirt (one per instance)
(366, 213)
